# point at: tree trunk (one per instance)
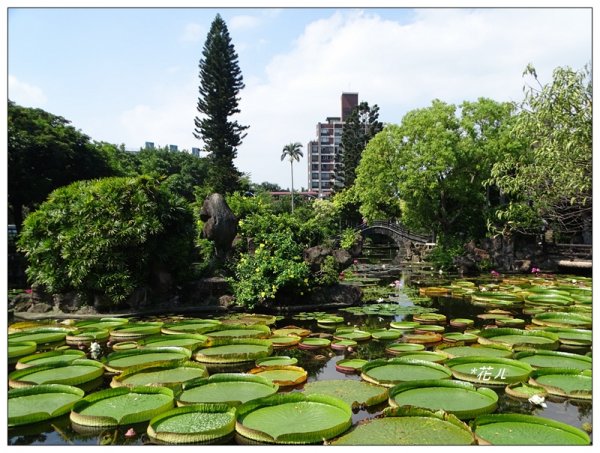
(292, 170)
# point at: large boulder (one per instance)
(220, 224)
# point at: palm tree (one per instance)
(292, 152)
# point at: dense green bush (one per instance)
(108, 237)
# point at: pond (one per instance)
(393, 300)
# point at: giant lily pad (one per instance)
(490, 350)
(201, 423)
(246, 350)
(171, 376)
(144, 358)
(518, 429)
(77, 372)
(399, 348)
(409, 426)
(385, 334)
(121, 406)
(102, 323)
(293, 418)
(562, 319)
(355, 393)
(397, 370)
(554, 359)
(314, 343)
(284, 341)
(249, 319)
(190, 326)
(430, 318)
(455, 337)
(571, 338)
(429, 356)
(18, 349)
(350, 365)
(281, 360)
(351, 334)
(239, 331)
(40, 402)
(519, 339)
(522, 390)
(86, 336)
(462, 399)
(567, 382)
(43, 336)
(134, 330)
(422, 338)
(50, 357)
(284, 375)
(291, 330)
(488, 370)
(231, 388)
(190, 341)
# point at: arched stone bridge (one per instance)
(410, 245)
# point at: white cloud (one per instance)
(25, 94)
(453, 55)
(193, 33)
(243, 22)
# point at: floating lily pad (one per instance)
(555, 359)
(40, 402)
(246, 350)
(291, 330)
(198, 326)
(571, 338)
(77, 372)
(281, 360)
(454, 337)
(135, 330)
(314, 343)
(352, 334)
(461, 322)
(510, 322)
(385, 334)
(284, 341)
(43, 336)
(562, 319)
(249, 319)
(293, 418)
(430, 318)
(124, 345)
(399, 348)
(18, 349)
(462, 399)
(144, 358)
(102, 323)
(429, 356)
(397, 370)
(422, 338)
(171, 376)
(489, 371)
(355, 393)
(86, 336)
(201, 423)
(567, 382)
(231, 388)
(523, 390)
(284, 375)
(404, 326)
(549, 300)
(409, 426)
(518, 429)
(121, 406)
(190, 341)
(330, 319)
(50, 357)
(350, 365)
(239, 331)
(519, 339)
(426, 328)
(343, 344)
(490, 350)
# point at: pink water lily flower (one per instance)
(130, 433)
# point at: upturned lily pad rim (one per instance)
(140, 329)
(184, 353)
(350, 365)
(204, 325)
(284, 341)
(108, 421)
(18, 378)
(148, 342)
(314, 343)
(239, 378)
(282, 359)
(487, 361)
(397, 348)
(300, 373)
(265, 350)
(371, 394)
(211, 434)
(399, 361)
(557, 319)
(53, 335)
(558, 391)
(38, 414)
(24, 362)
(117, 380)
(443, 348)
(529, 419)
(28, 347)
(488, 336)
(556, 354)
(466, 413)
(513, 390)
(87, 335)
(237, 331)
(338, 426)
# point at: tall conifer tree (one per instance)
(220, 82)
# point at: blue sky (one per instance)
(130, 75)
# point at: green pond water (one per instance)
(321, 363)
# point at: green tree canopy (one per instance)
(429, 170)
(550, 182)
(360, 127)
(220, 83)
(46, 152)
(107, 237)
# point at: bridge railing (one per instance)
(398, 228)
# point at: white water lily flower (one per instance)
(537, 400)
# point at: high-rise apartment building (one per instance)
(323, 153)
